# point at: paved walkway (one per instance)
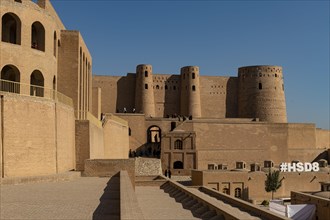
(156, 204)
(77, 199)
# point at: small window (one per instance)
(166, 87)
(193, 76)
(157, 87)
(145, 86)
(275, 75)
(238, 193)
(19, 1)
(193, 88)
(145, 73)
(178, 145)
(260, 86)
(174, 87)
(226, 191)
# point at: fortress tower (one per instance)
(261, 93)
(190, 92)
(144, 93)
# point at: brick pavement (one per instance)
(77, 199)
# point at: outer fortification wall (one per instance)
(167, 94)
(117, 92)
(261, 93)
(218, 96)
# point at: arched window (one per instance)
(157, 87)
(178, 145)
(10, 78)
(37, 84)
(55, 39)
(260, 86)
(166, 87)
(193, 88)
(11, 28)
(193, 75)
(38, 36)
(226, 191)
(177, 165)
(145, 86)
(238, 193)
(145, 73)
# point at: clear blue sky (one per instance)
(217, 36)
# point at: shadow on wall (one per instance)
(109, 207)
(125, 93)
(323, 155)
(231, 98)
(151, 150)
(172, 96)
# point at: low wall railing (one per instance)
(23, 89)
(129, 207)
(248, 207)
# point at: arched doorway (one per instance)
(178, 165)
(152, 146)
(37, 84)
(11, 28)
(10, 78)
(154, 134)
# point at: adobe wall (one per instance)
(137, 124)
(96, 136)
(65, 137)
(116, 141)
(219, 143)
(75, 71)
(166, 94)
(117, 92)
(89, 142)
(219, 96)
(97, 100)
(29, 146)
(253, 183)
(82, 140)
(322, 138)
(109, 168)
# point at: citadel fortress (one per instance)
(57, 116)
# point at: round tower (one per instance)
(144, 93)
(190, 104)
(261, 93)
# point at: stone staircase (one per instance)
(202, 210)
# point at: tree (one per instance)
(273, 182)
